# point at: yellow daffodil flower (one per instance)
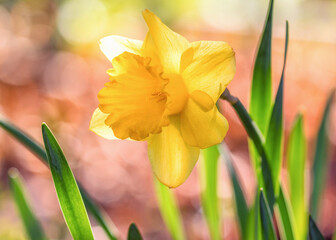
(163, 90)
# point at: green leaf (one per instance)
(274, 138)
(286, 217)
(268, 232)
(261, 91)
(209, 198)
(36, 148)
(241, 205)
(30, 222)
(169, 210)
(296, 157)
(25, 139)
(314, 232)
(66, 188)
(320, 158)
(133, 233)
(100, 216)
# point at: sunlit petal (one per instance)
(212, 68)
(169, 45)
(201, 127)
(113, 46)
(171, 158)
(98, 126)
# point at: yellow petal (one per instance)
(98, 126)
(201, 128)
(203, 100)
(169, 45)
(113, 46)
(171, 158)
(212, 68)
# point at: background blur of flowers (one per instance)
(51, 70)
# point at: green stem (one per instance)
(255, 134)
(169, 210)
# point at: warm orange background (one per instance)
(51, 70)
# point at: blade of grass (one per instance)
(209, 198)
(38, 150)
(267, 227)
(133, 233)
(274, 138)
(314, 232)
(320, 158)
(30, 222)
(296, 157)
(239, 197)
(286, 217)
(67, 191)
(261, 89)
(169, 210)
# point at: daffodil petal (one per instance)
(171, 158)
(98, 126)
(169, 45)
(113, 46)
(202, 128)
(212, 68)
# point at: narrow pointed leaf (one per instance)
(296, 157)
(320, 158)
(239, 197)
(261, 89)
(314, 232)
(286, 217)
(67, 191)
(210, 202)
(274, 138)
(38, 150)
(261, 92)
(133, 233)
(30, 222)
(169, 211)
(25, 139)
(268, 231)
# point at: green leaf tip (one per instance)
(314, 232)
(68, 194)
(133, 233)
(37, 149)
(261, 91)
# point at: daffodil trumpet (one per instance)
(164, 90)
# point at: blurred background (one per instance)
(51, 70)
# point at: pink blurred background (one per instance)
(51, 70)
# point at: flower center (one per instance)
(134, 98)
(177, 94)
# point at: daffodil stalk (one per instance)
(265, 179)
